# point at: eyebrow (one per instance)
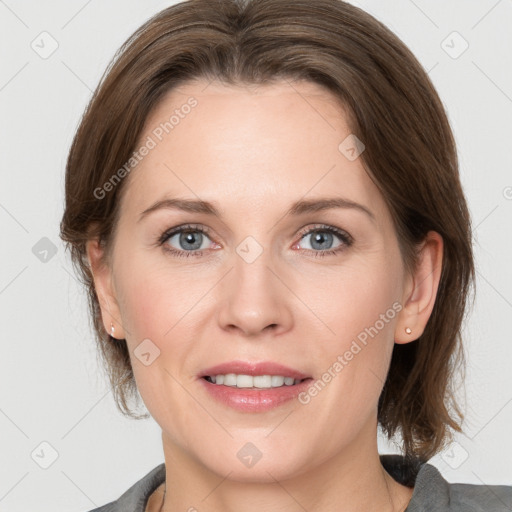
(300, 207)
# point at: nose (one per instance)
(254, 299)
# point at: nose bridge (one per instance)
(255, 297)
(252, 265)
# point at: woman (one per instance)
(263, 200)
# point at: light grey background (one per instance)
(51, 387)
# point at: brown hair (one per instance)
(394, 109)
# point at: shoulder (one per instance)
(433, 493)
(136, 497)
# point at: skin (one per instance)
(253, 151)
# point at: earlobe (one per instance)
(102, 277)
(421, 290)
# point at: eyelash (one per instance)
(344, 236)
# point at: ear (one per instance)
(103, 284)
(420, 290)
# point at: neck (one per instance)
(350, 481)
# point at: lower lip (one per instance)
(254, 400)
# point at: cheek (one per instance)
(160, 304)
(359, 298)
(360, 310)
(153, 305)
(152, 296)
(139, 310)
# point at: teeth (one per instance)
(258, 381)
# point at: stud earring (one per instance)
(112, 329)
(408, 330)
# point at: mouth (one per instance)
(243, 381)
(253, 388)
(253, 375)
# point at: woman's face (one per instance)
(315, 289)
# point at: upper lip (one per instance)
(253, 368)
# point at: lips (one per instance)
(255, 396)
(253, 368)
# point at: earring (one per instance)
(408, 330)
(112, 329)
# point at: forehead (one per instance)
(246, 144)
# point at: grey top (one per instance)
(432, 493)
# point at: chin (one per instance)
(255, 463)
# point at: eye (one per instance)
(321, 239)
(190, 240)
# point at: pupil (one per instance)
(321, 239)
(188, 238)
